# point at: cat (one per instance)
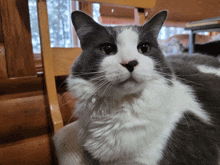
(137, 107)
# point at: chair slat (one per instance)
(63, 58)
(48, 66)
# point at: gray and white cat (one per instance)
(137, 107)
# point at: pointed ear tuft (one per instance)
(86, 28)
(155, 23)
(83, 24)
(81, 19)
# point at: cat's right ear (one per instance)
(84, 25)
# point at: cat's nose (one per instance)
(130, 65)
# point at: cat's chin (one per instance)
(129, 84)
(127, 87)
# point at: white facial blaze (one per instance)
(127, 42)
(127, 45)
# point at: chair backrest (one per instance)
(57, 61)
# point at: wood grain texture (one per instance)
(139, 17)
(1, 32)
(117, 21)
(48, 66)
(3, 69)
(17, 38)
(187, 10)
(178, 11)
(117, 11)
(139, 3)
(88, 8)
(27, 114)
(63, 58)
(20, 85)
(31, 151)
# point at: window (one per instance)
(34, 26)
(60, 25)
(167, 32)
(61, 29)
(96, 13)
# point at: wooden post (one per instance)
(17, 38)
(3, 70)
(87, 8)
(139, 16)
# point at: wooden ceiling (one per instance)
(181, 11)
(187, 10)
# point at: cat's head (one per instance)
(119, 60)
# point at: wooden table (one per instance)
(196, 29)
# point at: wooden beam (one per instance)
(138, 4)
(175, 24)
(34, 151)
(88, 8)
(139, 16)
(17, 38)
(117, 11)
(116, 20)
(3, 70)
(1, 32)
(26, 114)
(187, 10)
(22, 115)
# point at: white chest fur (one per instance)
(135, 129)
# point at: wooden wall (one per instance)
(17, 38)
(179, 12)
(3, 70)
(25, 121)
(187, 10)
(1, 32)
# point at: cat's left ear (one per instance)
(154, 24)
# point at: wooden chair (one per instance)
(57, 61)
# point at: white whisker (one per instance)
(86, 73)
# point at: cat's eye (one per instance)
(108, 49)
(143, 48)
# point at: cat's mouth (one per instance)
(129, 86)
(129, 80)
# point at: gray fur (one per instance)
(193, 141)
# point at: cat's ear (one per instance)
(82, 21)
(154, 24)
(85, 26)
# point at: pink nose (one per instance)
(130, 65)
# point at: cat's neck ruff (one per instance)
(155, 95)
(123, 126)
